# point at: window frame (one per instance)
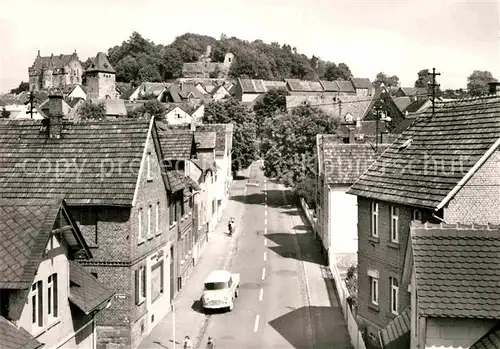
(157, 222)
(141, 285)
(52, 297)
(172, 211)
(374, 294)
(148, 167)
(374, 210)
(36, 295)
(394, 295)
(139, 223)
(149, 230)
(395, 224)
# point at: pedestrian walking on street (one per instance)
(210, 343)
(187, 343)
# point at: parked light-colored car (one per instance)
(220, 290)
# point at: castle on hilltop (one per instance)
(205, 68)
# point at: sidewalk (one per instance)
(328, 322)
(217, 254)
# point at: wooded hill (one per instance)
(139, 59)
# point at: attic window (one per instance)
(105, 65)
(406, 144)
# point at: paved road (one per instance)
(284, 300)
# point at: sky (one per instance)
(395, 37)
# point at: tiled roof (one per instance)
(24, 232)
(13, 337)
(180, 92)
(112, 107)
(72, 102)
(414, 91)
(205, 165)
(357, 106)
(330, 86)
(304, 85)
(176, 144)
(205, 140)
(457, 270)
(402, 102)
(490, 340)
(29, 161)
(53, 61)
(362, 83)
(397, 334)
(345, 163)
(85, 291)
(175, 182)
(220, 130)
(252, 86)
(462, 131)
(270, 84)
(417, 105)
(101, 64)
(345, 86)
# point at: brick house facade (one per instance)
(443, 168)
(123, 211)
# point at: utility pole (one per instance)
(434, 85)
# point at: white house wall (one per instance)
(177, 116)
(444, 333)
(249, 97)
(343, 222)
(78, 92)
(55, 332)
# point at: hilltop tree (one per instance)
(244, 135)
(477, 82)
(91, 111)
(388, 81)
(139, 59)
(337, 72)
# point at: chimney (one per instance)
(494, 88)
(51, 55)
(38, 53)
(193, 125)
(53, 110)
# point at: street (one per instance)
(284, 301)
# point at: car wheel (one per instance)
(237, 292)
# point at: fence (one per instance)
(310, 215)
(341, 288)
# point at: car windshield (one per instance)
(211, 286)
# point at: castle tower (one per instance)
(101, 79)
